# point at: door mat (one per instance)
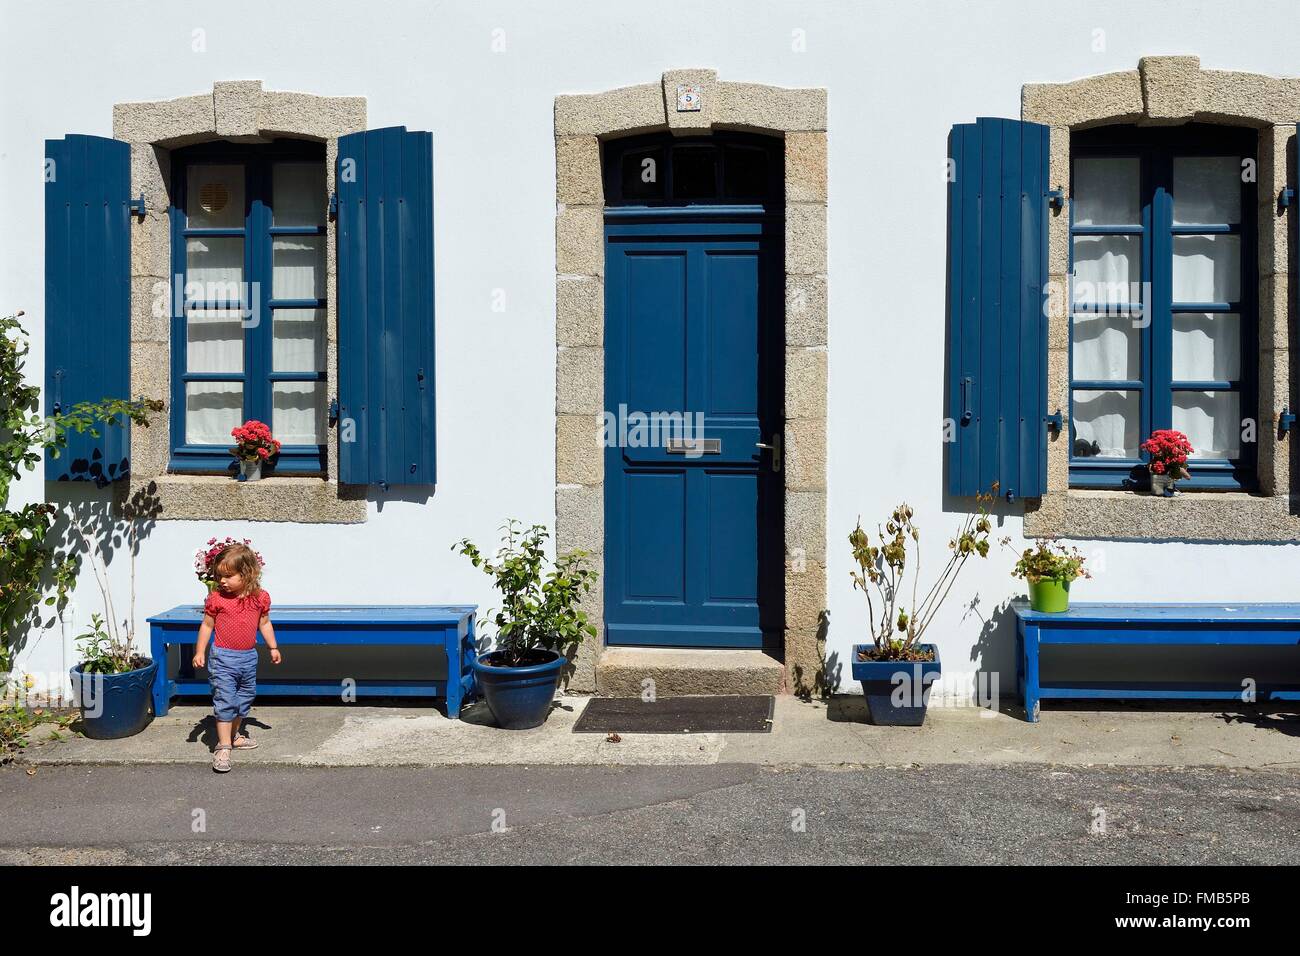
(676, 715)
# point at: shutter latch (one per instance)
(1284, 197)
(1055, 421)
(1285, 420)
(136, 206)
(334, 206)
(334, 412)
(1056, 198)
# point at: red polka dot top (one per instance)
(236, 618)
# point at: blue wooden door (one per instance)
(693, 385)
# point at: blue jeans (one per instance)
(233, 675)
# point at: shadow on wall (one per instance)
(827, 680)
(90, 514)
(994, 651)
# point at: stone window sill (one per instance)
(304, 500)
(1188, 516)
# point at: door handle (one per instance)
(774, 447)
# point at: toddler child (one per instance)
(237, 611)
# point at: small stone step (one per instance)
(680, 673)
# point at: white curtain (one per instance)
(1107, 270)
(1106, 192)
(1211, 421)
(212, 409)
(1110, 420)
(1207, 190)
(1207, 268)
(1106, 347)
(1207, 346)
(298, 195)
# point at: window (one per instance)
(660, 170)
(1163, 313)
(248, 336)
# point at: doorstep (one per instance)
(620, 672)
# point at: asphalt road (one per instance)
(720, 814)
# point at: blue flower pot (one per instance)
(519, 697)
(114, 705)
(897, 691)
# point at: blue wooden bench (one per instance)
(1113, 625)
(449, 627)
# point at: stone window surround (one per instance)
(582, 123)
(1170, 91)
(239, 111)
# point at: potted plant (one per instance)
(206, 558)
(113, 683)
(538, 624)
(1049, 570)
(896, 669)
(1169, 450)
(254, 445)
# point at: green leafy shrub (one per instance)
(539, 610)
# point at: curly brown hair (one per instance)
(240, 559)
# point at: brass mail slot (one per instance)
(694, 446)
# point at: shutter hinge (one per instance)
(1284, 197)
(334, 206)
(1056, 198)
(1285, 420)
(136, 206)
(334, 412)
(1054, 420)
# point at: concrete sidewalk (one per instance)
(804, 734)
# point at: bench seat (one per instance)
(1101, 624)
(448, 626)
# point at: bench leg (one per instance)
(161, 695)
(1030, 641)
(454, 663)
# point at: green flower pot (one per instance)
(1049, 595)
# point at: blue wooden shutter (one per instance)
(997, 327)
(88, 297)
(385, 243)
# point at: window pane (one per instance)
(1207, 268)
(1207, 346)
(298, 340)
(1211, 421)
(298, 194)
(694, 172)
(298, 412)
(745, 172)
(1106, 347)
(1106, 192)
(1106, 424)
(214, 340)
(643, 174)
(1207, 189)
(212, 410)
(214, 196)
(214, 271)
(298, 267)
(1107, 270)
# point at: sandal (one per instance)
(221, 760)
(245, 743)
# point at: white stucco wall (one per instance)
(898, 76)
